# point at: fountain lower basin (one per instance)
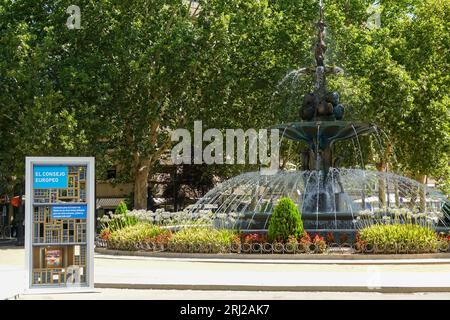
(327, 202)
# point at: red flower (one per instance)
(318, 238)
(162, 238)
(306, 238)
(253, 238)
(330, 237)
(105, 234)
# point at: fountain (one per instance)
(331, 199)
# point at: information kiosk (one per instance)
(59, 223)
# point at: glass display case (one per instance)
(61, 209)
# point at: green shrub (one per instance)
(121, 208)
(128, 237)
(119, 220)
(407, 236)
(285, 221)
(202, 239)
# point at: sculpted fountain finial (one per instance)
(321, 46)
(321, 104)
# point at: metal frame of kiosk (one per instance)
(59, 224)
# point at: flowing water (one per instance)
(333, 202)
(330, 199)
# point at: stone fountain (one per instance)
(331, 199)
(322, 126)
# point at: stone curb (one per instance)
(291, 257)
(269, 288)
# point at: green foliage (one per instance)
(200, 238)
(162, 217)
(285, 221)
(127, 238)
(121, 208)
(135, 71)
(118, 221)
(411, 236)
(420, 41)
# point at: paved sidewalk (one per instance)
(12, 271)
(161, 273)
(158, 273)
(124, 294)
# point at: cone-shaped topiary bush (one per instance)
(285, 221)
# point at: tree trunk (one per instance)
(382, 185)
(397, 195)
(423, 200)
(382, 166)
(143, 167)
(382, 193)
(141, 173)
(255, 198)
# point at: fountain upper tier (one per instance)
(323, 134)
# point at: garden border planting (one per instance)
(268, 257)
(133, 232)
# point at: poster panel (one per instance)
(60, 222)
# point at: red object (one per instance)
(16, 201)
(306, 238)
(253, 238)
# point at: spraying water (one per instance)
(330, 198)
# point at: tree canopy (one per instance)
(138, 69)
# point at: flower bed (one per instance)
(154, 231)
(400, 238)
(147, 237)
(132, 237)
(201, 240)
(367, 218)
(158, 217)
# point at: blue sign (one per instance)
(50, 177)
(69, 212)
